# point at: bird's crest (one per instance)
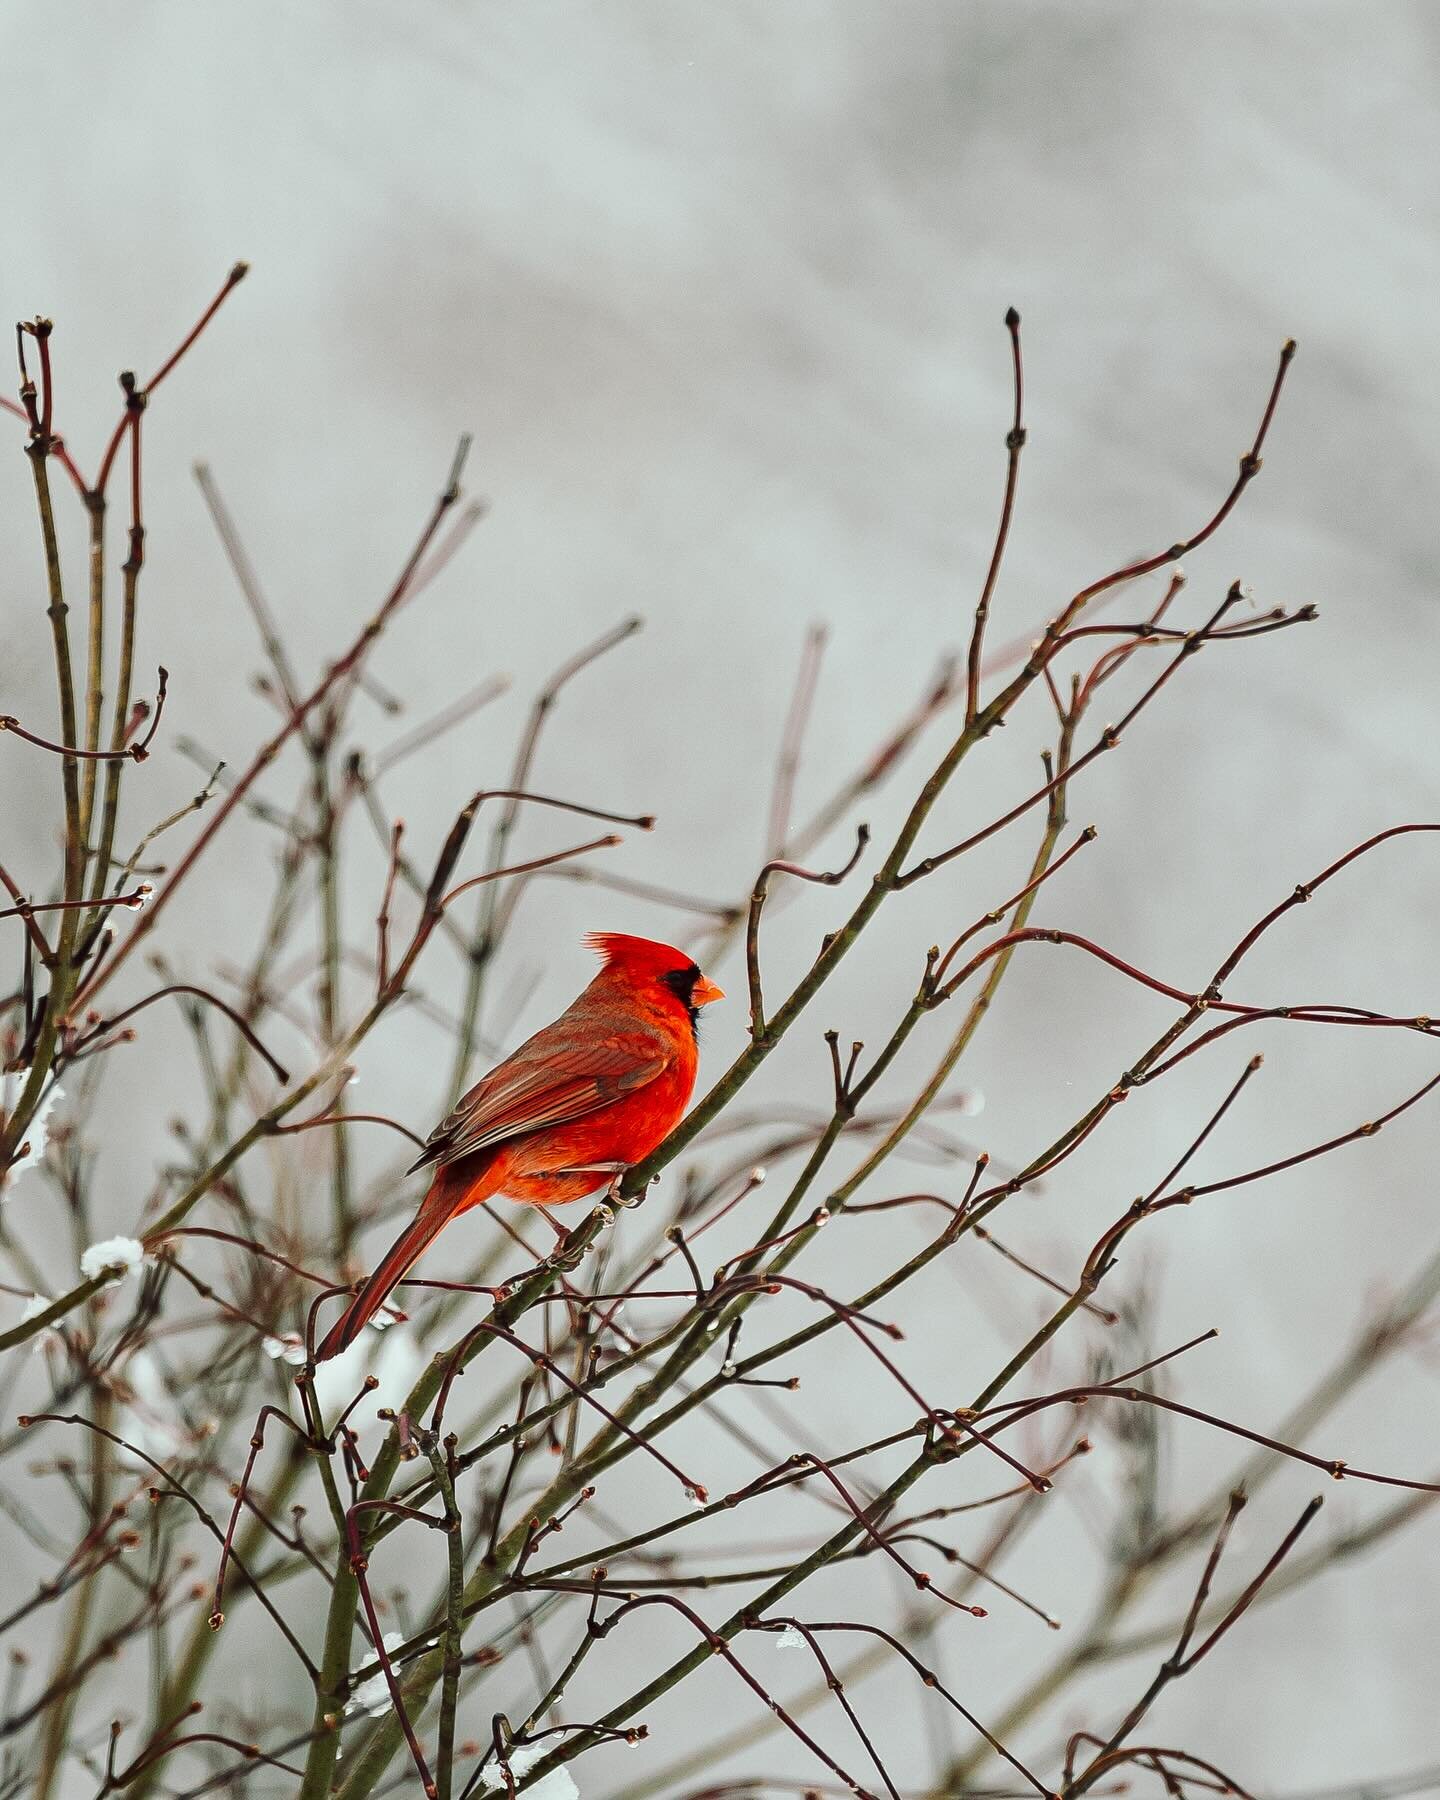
(637, 955)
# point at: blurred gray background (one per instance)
(719, 290)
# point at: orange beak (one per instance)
(705, 992)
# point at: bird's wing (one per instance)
(544, 1084)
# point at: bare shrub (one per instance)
(481, 1545)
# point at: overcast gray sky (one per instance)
(719, 290)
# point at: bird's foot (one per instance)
(613, 1195)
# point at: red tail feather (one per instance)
(435, 1213)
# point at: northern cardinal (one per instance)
(568, 1112)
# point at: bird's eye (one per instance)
(681, 982)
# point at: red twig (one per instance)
(349, 1119)
(232, 280)
(241, 1024)
(131, 753)
(1336, 1467)
(538, 862)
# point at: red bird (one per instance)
(576, 1105)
